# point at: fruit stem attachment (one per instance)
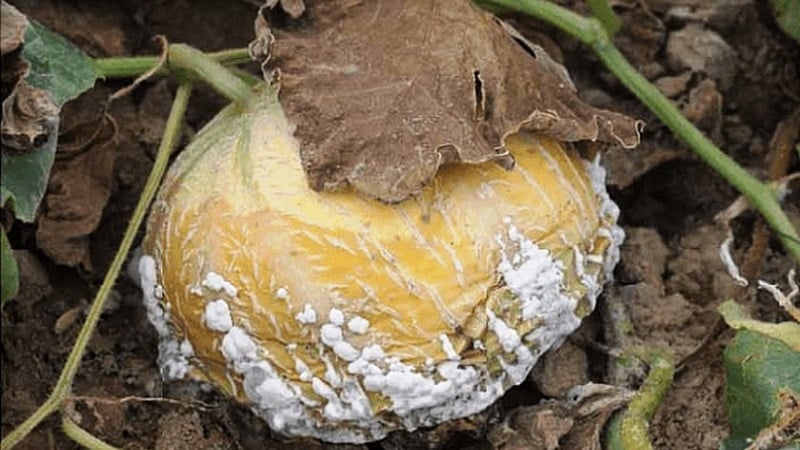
(590, 31)
(64, 384)
(200, 66)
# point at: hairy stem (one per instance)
(64, 384)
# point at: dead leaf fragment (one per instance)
(294, 8)
(786, 429)
(575, 421)
(384, 94)
(30, 115)
(80, 183)
(13, 27)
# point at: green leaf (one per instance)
(787, 13)
(9, 280)
(757, 368)
(736, 318)
(24, 177)
(56, 65)
(64, 72)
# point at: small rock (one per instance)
(644, 258)
(561, 369)
(705, 108)
(652, 70)
(720, 14)
(68, 318)
(673, 86)
(34, 283)
(738, 134)
(699, 49)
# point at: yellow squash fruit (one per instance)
(343, 318)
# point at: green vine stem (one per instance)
(64, 384)
(591, 32)
(83, 437)
(635, 425)
(604, 13)
(131, 67)
(630, 430)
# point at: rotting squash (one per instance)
(343, 318)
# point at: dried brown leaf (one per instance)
(13, 27)
(30, 115)
(575, 421)
(50, 70)
(384, 94)
(80, 183)
(294, 8)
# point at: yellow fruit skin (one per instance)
(236, 203)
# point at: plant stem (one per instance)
(206, 69)
(64, 384)
(570, 22)
(131, 67)
(83, 437)
(591, 32)
(604, 14)
(630, 430)
(636, 420)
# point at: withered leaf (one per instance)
(13, 28)
(294, 8)
(575, 421)
(30, 115)
(48, 71)
(385, 93)
(80, 183)
(53, 72)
